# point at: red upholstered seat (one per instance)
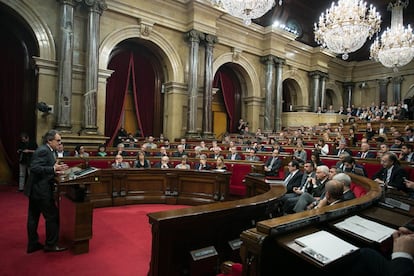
(236, 270)
(358, 190)
(239, 172)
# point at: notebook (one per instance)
(324, 246)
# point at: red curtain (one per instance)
(12, 111)
(228, 85)
(116, 91)
(131, 70)
(144, 92)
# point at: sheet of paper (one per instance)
(366, 228)
(324, 246)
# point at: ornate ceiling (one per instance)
(304, 13)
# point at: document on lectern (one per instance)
(325, 247)
(366, 228)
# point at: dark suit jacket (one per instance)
(345, 149)
(275, 167)
(158, 165)
(40, 184)
(295, 181)
(397, 177)
(238, 157)
(178, 154)
(197, 167)
(370, 154)
(348, 195)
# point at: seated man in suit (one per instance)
(164, 163)
(119, 163)
(351, 166)
(342, 147)
(365, 151)
(233, 155)
(180, 151)
(202, 165)
(407, 153)
(251, 156)
(316, 191)
(273, 164)
(162, 152)
(336, 191)
(392, 174)
(294, 178)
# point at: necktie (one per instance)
(387, 179)
(272, 162)
(288, 178)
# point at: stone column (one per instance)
(269, 62)
(279, 93)
(323, 79)
(208, 87)
(194, 38)
(383, 83)
(348, 89)
(65, 57)
(396, 89)
(315, 75)
(96, 7)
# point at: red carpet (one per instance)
(121, 242)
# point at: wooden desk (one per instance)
(114, 187)
(268, 247)
(175, 233)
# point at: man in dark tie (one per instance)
(294, 178)
(202, 165)
(40, 190)
(273, 164)
(342, 148)
(391, 174)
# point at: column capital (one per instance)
(267, 59)
(97, 6)
(211, 39)
(273, 59)
(397, 80)
(383, 82)
(69, 2)
(194, 36)
(317, 73)
(348, 84)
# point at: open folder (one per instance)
(324, 247)
(366, 228)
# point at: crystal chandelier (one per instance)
(246, 9)
(396, 47)
(345, 27)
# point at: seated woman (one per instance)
(322, 147)
(220, 166)
(102, 150)
(183, 165)
(80, 151)
(141, 161)
(300, 154)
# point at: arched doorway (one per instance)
(290, 95)
(18, 83)
(134, 93)
(226, 104)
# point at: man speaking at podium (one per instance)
(40, 190)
